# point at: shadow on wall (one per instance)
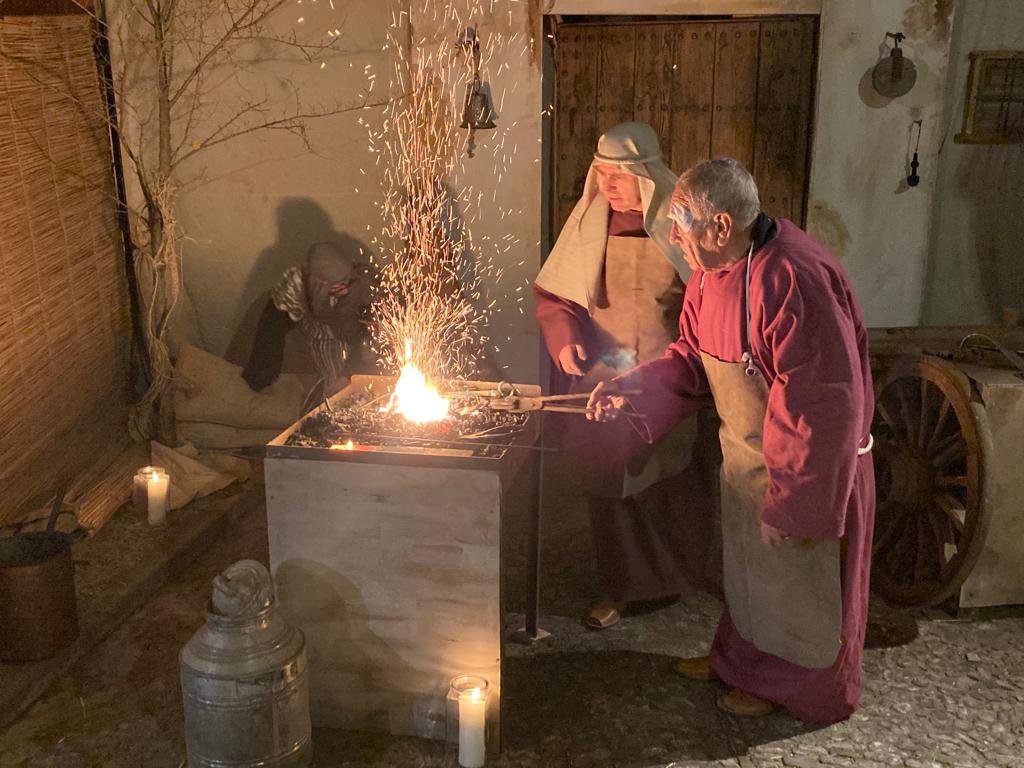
(991, 180)
(986, 229)
(301, 222)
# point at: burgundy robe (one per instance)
(809, 338)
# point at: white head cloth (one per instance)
(573, 268)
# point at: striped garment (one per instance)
(329, 352)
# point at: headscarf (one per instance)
(574, 266)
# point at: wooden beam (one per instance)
(682, 7)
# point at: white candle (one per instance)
(472, 722)
(140, 488)
(157, 482)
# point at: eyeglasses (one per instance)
(681, 215)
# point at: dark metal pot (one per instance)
(38, 610)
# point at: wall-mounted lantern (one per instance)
(478, 110)
(895, 75)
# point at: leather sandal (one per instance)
(745, 704)
(696, 668)
(604, 615)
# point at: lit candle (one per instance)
(140, 488)
(157, 483)
(472, 722)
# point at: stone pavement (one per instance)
(951, 696)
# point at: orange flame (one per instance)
(418, 401)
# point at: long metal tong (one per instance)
(549, 403)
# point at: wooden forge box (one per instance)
(389, 562)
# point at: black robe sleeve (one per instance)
(264, 364)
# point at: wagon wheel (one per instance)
(931, 443)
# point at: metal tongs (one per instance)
(515, 403)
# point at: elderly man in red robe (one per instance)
(772, 330)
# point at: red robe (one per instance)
(808, 336)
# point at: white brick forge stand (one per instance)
(392, 572)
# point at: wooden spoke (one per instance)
(951, 481)
(894, 428)
(941, 530)
(926, 414)
(954, 454)
(905, 409)
(940, 446)
(886, 525)
(952, 509)
(940, 423)
(926, 564)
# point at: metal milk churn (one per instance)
(244, 679)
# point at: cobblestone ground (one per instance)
(951, 696)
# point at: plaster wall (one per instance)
(260, 201)
(976, 269)
(503, 178)
(251, 207)
(860, 205)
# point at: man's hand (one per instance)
(604, 404)
(571, 359)
(773, 537)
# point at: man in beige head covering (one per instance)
(608, 298)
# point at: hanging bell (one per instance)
(478, 112)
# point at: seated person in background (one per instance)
(328, 299)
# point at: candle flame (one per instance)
(413, 397)
(156, 476)
(475, 694)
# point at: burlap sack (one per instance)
(214, 407)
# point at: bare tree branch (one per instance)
(230, 35)
(290, 123)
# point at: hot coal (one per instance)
(470, 425)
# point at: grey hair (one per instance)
(722, 185)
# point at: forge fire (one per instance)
(363, 419)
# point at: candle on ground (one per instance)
(472, 722)
(140, 488)
(157, 483)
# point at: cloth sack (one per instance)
(194, 474)
(214, 407)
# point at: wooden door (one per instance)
(739, 89)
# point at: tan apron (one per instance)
(786, 600)
(632, 327)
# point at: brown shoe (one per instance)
(745, 704)
(603, 615)
(697, 668)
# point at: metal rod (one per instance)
(467, 444)
(582, 409)
(585, 395)
(533, 545)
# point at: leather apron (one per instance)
(634, 321)
(786, 600)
